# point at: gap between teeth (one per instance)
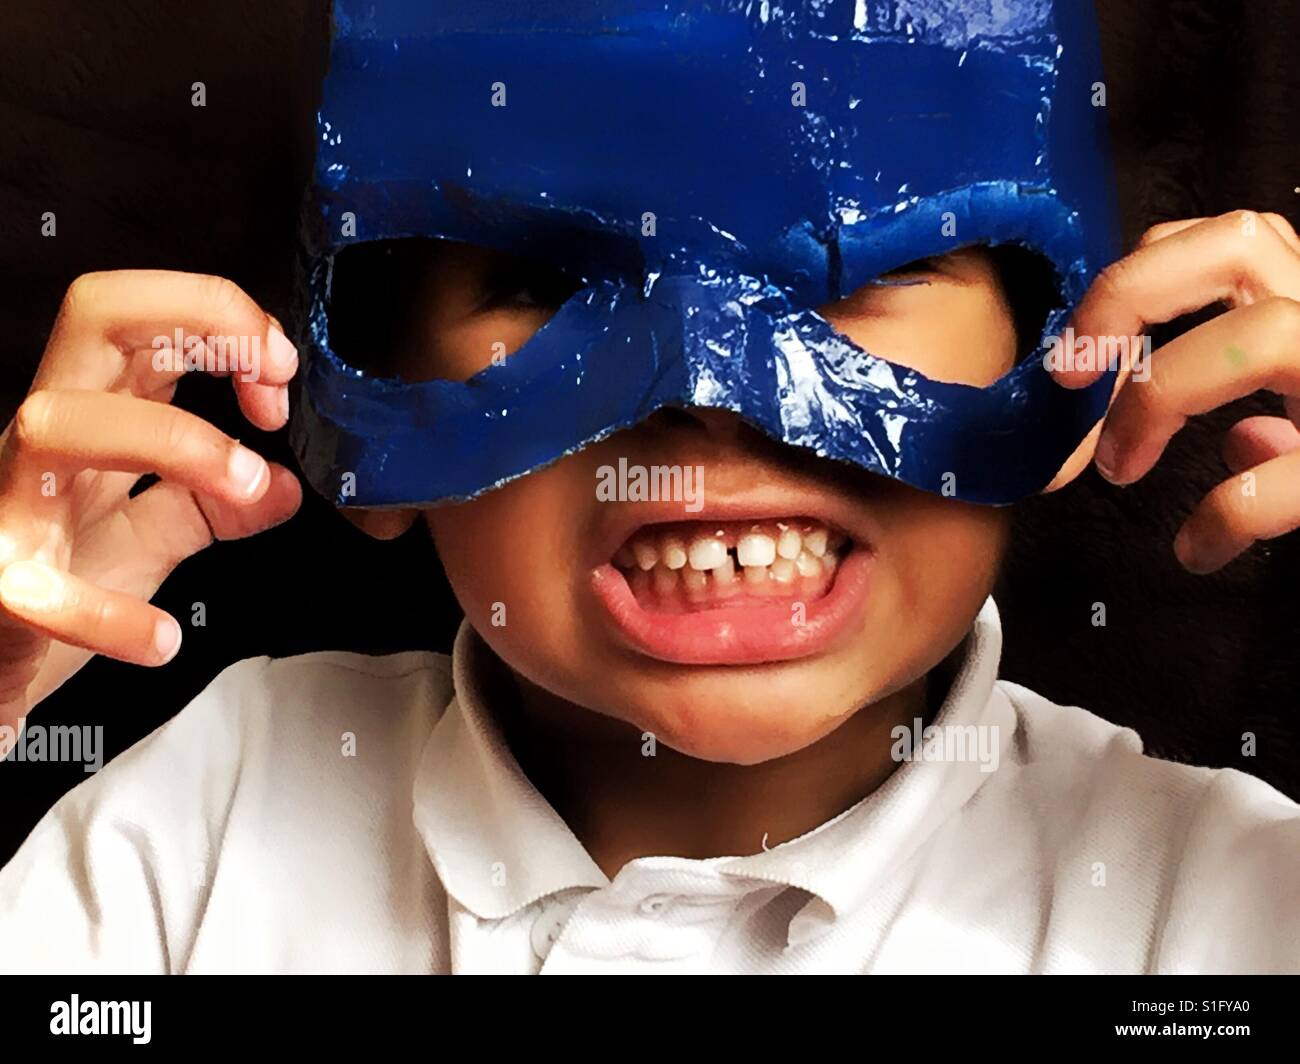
(672, 560)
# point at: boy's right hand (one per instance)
(79, 557)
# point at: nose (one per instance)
(719, 425)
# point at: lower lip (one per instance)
(739, 635)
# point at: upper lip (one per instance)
(769, 504)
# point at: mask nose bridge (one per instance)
(721, 329)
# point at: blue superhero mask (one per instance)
(712, 172)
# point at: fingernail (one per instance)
(283, 354)
(30, 585)
(283, 402)
(166, 639)
(246, 471)
(1106, 457)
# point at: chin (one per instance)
(744, 717)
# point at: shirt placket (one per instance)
(649, 919)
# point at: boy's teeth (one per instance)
(694, 580)
(673, 551)
(782, 571)
(760, 558)
(707, 552)
(808, 564)
(755, 549)
(790, 544)
(664, 580)
(725, 574)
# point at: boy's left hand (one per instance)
(1251, 263)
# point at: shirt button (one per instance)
(548, 927)
(655, 904)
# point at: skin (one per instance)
(744, 736)
(774, 750)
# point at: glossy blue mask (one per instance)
(713, 172)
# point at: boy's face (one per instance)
(794, 591)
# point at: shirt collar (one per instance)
(498, 845)
(845, 860)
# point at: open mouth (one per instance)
(693, 566)
(738, 591)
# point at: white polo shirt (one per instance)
(341, 813)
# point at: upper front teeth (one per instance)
(755, 548)
(790, 544)
(707, 552)
(781, 550)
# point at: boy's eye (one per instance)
(526, 286)
(909, 269)
(523, 296)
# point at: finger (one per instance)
(163, 526)
(74, 611)
(1226, 358)
(265, 405)
(158, 324)
(1255, 440)
(1280, 225)
(1082, 455)
(105, 430)
(1283, 228)
(1235, 259)
(1164, 229)
(170, 523)
(1260, 503)
(281, 502)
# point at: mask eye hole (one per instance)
(1033, 289)
(515, 283)
(374, 290)
(966, 317)
(420, 308)
(1029, 282)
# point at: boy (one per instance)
(667, 739)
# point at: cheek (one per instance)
(487, 557)
(462, 349)
(940, 561)
(508, 557)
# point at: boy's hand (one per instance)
(79, 558)
(1251, 263)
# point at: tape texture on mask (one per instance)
(714, 172)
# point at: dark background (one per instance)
(96, 125)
